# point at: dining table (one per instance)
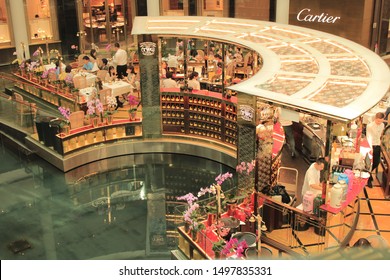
(86, 94)
(118, 88)
(89, 77)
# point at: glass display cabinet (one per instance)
(42, 20)
(5, 35)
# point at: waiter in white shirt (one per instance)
(374, 132)
(120, 60)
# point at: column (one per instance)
(150, 86)
(19, 26)
(246, 150)
(282, 11)
(153, 7)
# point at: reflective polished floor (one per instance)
(119, 208)
(113, 209)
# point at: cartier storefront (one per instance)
(363, 21)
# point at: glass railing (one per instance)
(19, 114)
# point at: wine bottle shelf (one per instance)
(202, 116)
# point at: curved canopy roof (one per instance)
(306, 69)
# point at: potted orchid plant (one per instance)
(111, 105)
(133, 102)
(64, 124)
(217, 248)
(234, 246)
(95, 108)
(192, 216)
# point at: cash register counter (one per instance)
(328, 229)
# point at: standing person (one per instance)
(287, 124)
(288, 132)
(312, 181)
(374, 133)
(120, 60)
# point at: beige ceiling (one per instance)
(302, 68)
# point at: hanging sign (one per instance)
(148, 48)
(246, 112)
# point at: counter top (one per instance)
(357, 186)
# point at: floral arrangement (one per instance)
(75, 51)
(16, 60)
(65, 112)
(222, 177)
(55, 52)
(69, 80)
(31, 66)
(218, 246)
(111, 105)
(132, 102)
(246, 166)
(94, 106)
(191, 214)
(234, 246)
(45, 73)
(39, 70)
(38, 52)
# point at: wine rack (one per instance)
(173, 114)
(201, 115)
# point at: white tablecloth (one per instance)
(49, 66)
(86, 94)
(90, 78)
(118, 88)
(52, 66)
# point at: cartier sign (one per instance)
(305, 15)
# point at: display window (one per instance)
(212, 8)
(42, 20)
(173, 7)
(192, 8)
(105, 22)
(5, 35)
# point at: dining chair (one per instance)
(76, 119)
(23, 109)
(104, 93)
(101, 74)
(79, 82)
